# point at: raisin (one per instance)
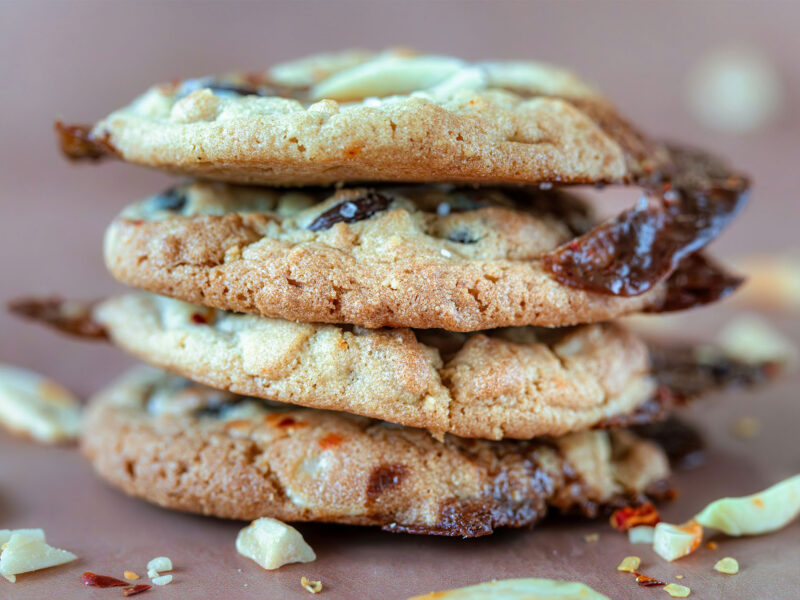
(689, 202)
(350, 211)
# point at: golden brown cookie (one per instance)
(393, 116)
(191, 448)
(428, 256)
(514, 383)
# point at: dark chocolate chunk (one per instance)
(250, 86)
(689, 202)
(687, 372)
(350, 211)
(174, 199)
(462, 236)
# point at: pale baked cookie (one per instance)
(191, 448)
(512, 383)
(416, 256)
(359, 116)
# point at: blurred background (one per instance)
(722, 75)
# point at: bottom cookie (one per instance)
(193, 448)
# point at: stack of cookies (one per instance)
(412, 327)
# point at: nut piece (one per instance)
(37, 407)
(519, 588)
(629, 564)
(677, 591)
(25, 550)
(641, 534)
(315, 587)
(162, 580)
(272, 544)
(759, 513)
(160, 563)
(671, 542)
(727, 565)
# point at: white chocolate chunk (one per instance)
(26, 550)
(272, 544)
(162, 580)
(5, 534)
(641, 534)
(387, 75)
(519, 589)
(37, 407)
(766, 511)
(160, 563)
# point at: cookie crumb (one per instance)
(711, 545)
(747, 428)
(677, 591)
(160, 563)
(162, 580)
(314, 587)
(629, 564)
(727, 565)
(272, 544)
(591, 537)
(671, 542)
(130, 575)
(641, 534)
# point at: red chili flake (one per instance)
(136, 589)
(631, 516)
(287, 422)
(646, 581)
(199, 319)
(103, 581)
(331, 441)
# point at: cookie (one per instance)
(191, 448)
(514, 383)
(375, 117)
(416, 256)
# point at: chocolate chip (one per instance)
(173, 199)
(350, 211)
(383, 478)
(462, 236)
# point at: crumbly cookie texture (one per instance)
(195, 449)
(390, 116)
(418, 256)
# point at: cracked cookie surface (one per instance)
(191, 448)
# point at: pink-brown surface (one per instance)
(79, 60)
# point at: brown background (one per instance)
(79, 60)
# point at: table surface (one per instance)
(81, 59)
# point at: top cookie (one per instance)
(390, 116)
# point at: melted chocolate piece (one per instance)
(74, 318)
(78, 143)
(384, 478)
(253, 85)
(462, 236)
(690, 201)
(350, 211)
